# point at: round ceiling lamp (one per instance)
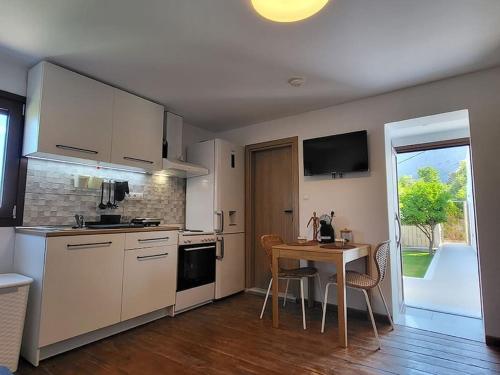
(288, 10)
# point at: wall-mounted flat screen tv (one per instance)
(341, 153)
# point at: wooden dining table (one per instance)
(316, 252)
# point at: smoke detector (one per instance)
(296, 81)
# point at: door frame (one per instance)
(393, 173)
(250, 150)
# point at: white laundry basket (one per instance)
(13, 298)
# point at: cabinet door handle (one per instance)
(77, 149)
(138, 160)
(90, 244)
(153, 239)
(151, 257)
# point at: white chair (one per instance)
(364, 282)
(270, 240)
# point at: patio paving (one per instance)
(451, 284)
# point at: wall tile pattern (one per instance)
(52, 198)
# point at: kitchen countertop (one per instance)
(60, 231)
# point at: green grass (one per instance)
(416, 262)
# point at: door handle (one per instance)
(90, 244)
(138, 160)
(398, 236)
(77, 149)
(151, 257)
(153, 239)
(288, 211)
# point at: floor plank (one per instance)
(227, 337)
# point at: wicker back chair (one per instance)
(364, 282)
(381, 258)
(268, 241)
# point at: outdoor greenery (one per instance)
(453, 228)
(427, 201)
(416, 262)
(424, 202)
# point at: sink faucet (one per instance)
(80, 221)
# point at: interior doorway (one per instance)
(271, 204)
(433, 203)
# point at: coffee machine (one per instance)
(326, 231)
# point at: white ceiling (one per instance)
(451, 122)
(221, 66)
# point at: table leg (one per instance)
(310, 288)
(341, 302)
(275, 296)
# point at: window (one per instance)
(12, 165)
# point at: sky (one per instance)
(445, 160)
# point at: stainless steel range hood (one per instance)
(174, 164)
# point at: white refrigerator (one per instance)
(216, 202)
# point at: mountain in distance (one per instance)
(445, 160)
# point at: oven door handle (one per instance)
(221, 256)
(197, 248)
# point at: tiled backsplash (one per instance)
(52, 199)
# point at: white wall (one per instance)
(13, 78)
(192, 134)
(361, 203)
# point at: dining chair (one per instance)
(270, 240)
(364, 282)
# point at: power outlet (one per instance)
(135, 196)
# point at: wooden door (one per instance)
(274, 197)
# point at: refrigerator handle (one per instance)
(220, 221)
(221, 241)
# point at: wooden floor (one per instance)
(228, 338)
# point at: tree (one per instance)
(424, 202)
(458, 182)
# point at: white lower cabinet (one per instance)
(82, 286)
(149, 279)
(88, 287)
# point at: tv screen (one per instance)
(339, 153)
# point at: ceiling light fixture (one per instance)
(288, 10)
(296, 81)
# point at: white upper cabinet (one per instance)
(71, 116)
(137, 132)
(67, 114)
